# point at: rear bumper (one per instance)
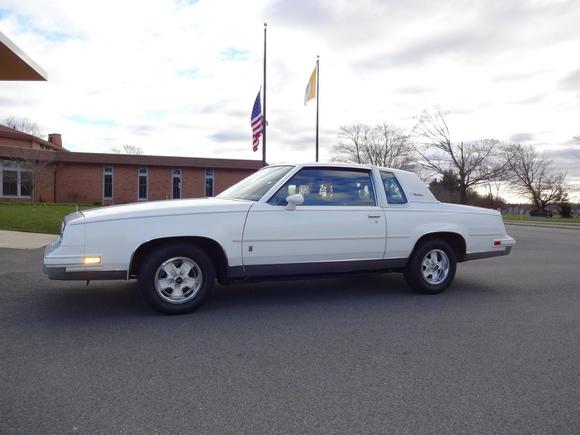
(499, 247)
(487, 254)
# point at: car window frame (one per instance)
(266, 197)
(274, 186)
(368, 171)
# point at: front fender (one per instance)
(116, 240)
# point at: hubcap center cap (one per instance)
(179, 280)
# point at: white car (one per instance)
(284, 220)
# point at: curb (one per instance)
(543, 225)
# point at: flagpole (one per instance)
(264, 123)
(317, 99)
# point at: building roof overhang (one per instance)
(127, 159)
(16, 65)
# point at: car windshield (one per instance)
(257, 184)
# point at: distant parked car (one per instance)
(542, 213)
(284, 220)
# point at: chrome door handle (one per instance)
(374, 216)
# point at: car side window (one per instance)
(395, 194)
(326, 186)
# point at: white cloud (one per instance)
(180, 77)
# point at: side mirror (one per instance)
(294, 200)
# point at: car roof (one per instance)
(341, 165)
(412, 185)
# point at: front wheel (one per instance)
(176, 278)
(432, 267)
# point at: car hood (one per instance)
(164, 208)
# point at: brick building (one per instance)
(33, 169)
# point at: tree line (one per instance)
(455, 167)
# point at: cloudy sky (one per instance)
(179, 77)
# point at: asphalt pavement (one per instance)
(498, 352)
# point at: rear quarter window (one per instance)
(393, 190)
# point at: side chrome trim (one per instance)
(398, 236)
(161, 216)
(313, 239)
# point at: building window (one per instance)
(16, 179)
(143, 175)
(209, 182)
(176, 183)
(9, 183)
(108, 182)
(25, 183)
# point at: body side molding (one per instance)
(315, 268)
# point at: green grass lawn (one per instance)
(35, 217)
(552, 220)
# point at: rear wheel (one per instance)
(432, 267)
(176, 278)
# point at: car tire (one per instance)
(431, 268)
(176, 278)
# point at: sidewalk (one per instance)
(18, 240)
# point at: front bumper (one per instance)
(72, 270)
(61, 274)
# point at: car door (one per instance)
(399, 219)
(339, 222)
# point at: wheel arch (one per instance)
(212, 248)
(456, 240)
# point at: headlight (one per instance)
(68, 218)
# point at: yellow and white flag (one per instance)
(310, 87)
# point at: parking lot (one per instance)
(497, 352)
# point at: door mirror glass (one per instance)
(294, 200)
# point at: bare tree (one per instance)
(494, 187)
(532, 175)
(24, 125)
(381, 145)
(351, 140)
(474, 163)
(128, 149)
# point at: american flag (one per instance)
(256, 122)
